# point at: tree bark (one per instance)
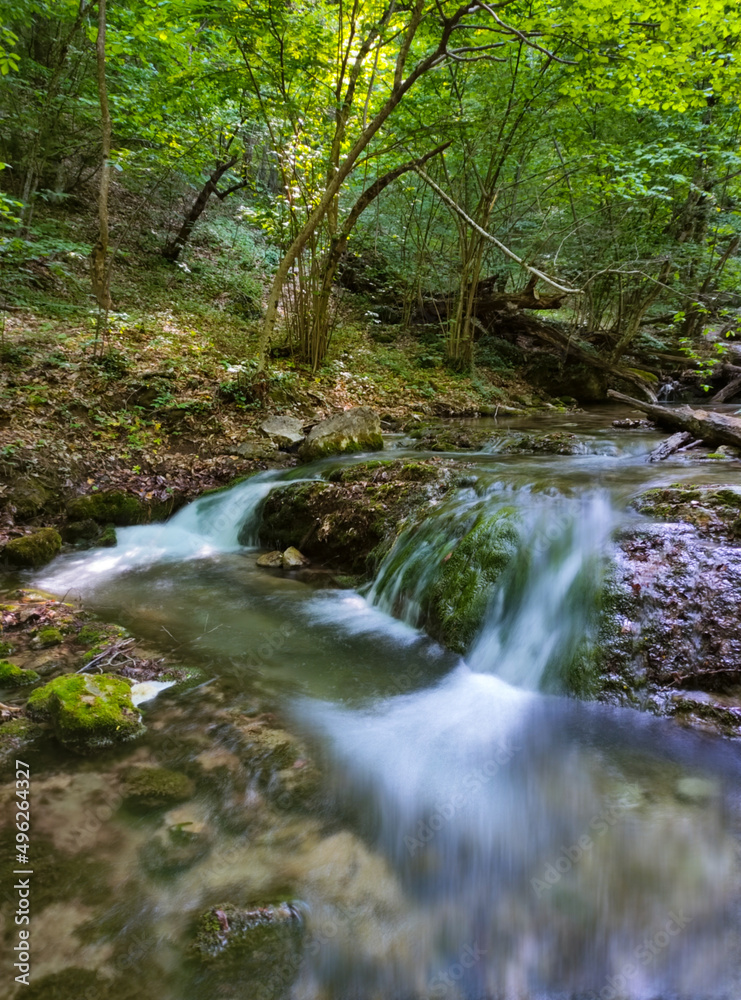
(175, 247)
(99, 271)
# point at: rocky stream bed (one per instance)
(408, 749)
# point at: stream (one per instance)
(473, 835)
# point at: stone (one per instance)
(34, 550)
(696, 791)
(109, 507)
(156, 788)
(256, 449)
(227, 926)
(271, 560)
(358, 429)
(82, 533)
(87, 713)
(285, 432)
(28, 497)
(293, 559)
(12, 675)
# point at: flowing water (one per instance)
(477, 835)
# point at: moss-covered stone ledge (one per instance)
(712, 509)
(350, 521)
(119, 508)
(33, 550)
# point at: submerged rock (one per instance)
(87, 713)
(34, 550)
(156, 788)
(354, 430)
(227, 926)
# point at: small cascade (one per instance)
(222, 522)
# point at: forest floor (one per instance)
(162, 405)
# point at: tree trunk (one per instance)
(99, 270)
(175, 247)
(713, 428)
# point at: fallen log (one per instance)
(728, 391)
(670, 446)
(713, 428)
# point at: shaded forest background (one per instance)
(464, 206)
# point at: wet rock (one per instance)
(231, 927)
(443, 436)
(12, 675)
(34, 550)
(156, 788)
(117, 508)
(16, 734)
(670, 636)
(466, 580)
(271, 560)
(86, 713)
(293, 559)
(555, 443)
(696, 791)
(354, 430)
(349, 523)
(284, 432)
(83, 533)
(712, 509)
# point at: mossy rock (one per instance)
(708, 507)
(117, 508)
(28, 497)
(12, 675)
(156, 788)
(82, 984)
(87, 713)
(460, 596)
(6, 649)
(46, 637)
(355, 430)
(227, 927)
(34, 550)
(16, 734)
(82, 533)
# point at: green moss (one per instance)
(112, 507)
(6, 649)
(33, 550)
(87, 713)
(228, 927)
(83, 984)
(463, 589)
(156, 787)
(29, 498)
(108, 537)
(12, 675)
(312, 451)
(49, 636)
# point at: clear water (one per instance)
(477, 836)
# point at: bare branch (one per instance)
(492, 239)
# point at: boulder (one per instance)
(256, 449)
(271, 560)
(293, 559)
(285, 432)
(119, 508)
(28, 497)
(34, 550)
(354, 430)
(350, 522)
(87, 713)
